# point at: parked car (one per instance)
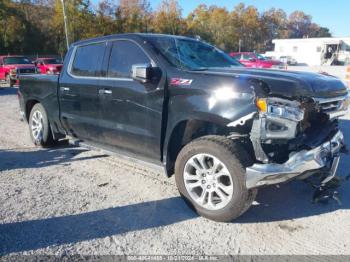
(253, 60)
(49, 66)
(222, 129)
(289, 60)
(11, 66)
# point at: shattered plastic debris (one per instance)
(324, 192)
(328, 191)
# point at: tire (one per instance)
(38, 121)
(232, 159)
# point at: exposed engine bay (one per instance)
(295, 138)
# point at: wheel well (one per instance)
(29, 107)
(185, 132)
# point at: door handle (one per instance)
(105, 91)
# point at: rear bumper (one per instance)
(299, 163)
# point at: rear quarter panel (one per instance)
(42, 88)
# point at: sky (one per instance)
(334, 14)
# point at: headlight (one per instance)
(277, 108)
(49, 72)
(346, 103)
(13, 71)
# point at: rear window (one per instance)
(88, 60)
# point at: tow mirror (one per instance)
(141, 72)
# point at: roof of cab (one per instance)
(133, 36)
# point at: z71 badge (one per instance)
(180, 82)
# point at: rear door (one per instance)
(131, 110)
(78, 92)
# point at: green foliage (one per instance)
(36, 26)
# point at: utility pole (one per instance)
(239, 44)
(65, 23)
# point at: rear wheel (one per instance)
(210, 175)
(39, 127)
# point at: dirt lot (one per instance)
(70, 200)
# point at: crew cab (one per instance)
(48, 66)
(253, 60)
(224, 130)
(11, 66)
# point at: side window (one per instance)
(88, 60)
(124, 54)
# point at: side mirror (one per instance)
(252, 59)
(141, 72)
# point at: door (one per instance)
(132, 110)
(78, 93)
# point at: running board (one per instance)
(121, 154)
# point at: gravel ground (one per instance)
(69, 200)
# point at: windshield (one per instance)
(52, 61)
(18, 60)
(191, 54)
(261, 57)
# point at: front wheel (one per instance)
(39, 127)
(210, 176)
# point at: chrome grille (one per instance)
(330, 106)
(334, 107)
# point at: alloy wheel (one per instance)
(208, 181)
(37, 125)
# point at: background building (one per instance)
(314, 51)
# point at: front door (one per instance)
(78, 93)
(132, 111)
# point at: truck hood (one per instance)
(288, 83)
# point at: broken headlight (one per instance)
(345, 103)
(277, 107)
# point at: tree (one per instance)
(105, 19)
(36, 26)
(133, 16)
(247, 25)
(299, 24)
(168, 19)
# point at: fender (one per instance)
(204, 105)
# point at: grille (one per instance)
(333, 107)
(330, 106)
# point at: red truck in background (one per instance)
(11, 66)
(253, 60)
(50, 66)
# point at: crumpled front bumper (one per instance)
(299, 163)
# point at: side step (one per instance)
(120, 154)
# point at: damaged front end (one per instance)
(294, 139)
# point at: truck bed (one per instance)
(41, 88)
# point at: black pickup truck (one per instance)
(222, 129)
